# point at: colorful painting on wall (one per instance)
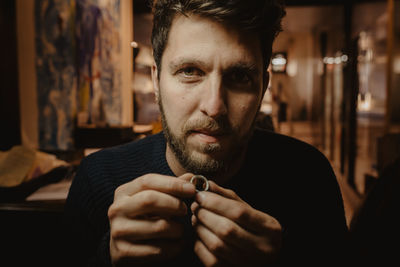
(77, 54)
(98, 50)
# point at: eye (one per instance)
(189, 74)
(189, 71)
(240, 78)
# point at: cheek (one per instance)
(177, 104)
(243, 110)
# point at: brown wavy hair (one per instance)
(261, 17)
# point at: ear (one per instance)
(266, 83)
(155, 80)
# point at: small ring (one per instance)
(205, 185)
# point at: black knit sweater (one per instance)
(286, 178)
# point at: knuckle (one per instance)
(199, 214)
(197, 248)
(112, 212)
(116, 207)
(118, 191)
(232, 193)
(265, 248)
(147, 199)
(143, 182)
(118, 229)
(116, 233)
(239, 213)
(161, 226)
(122, 251)
(156, 251)
(174, 185)
(179, 204)
(213, 263)
(216, 246)
(227, 231)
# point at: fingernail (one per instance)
(193, 207)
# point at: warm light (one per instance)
(292, 68)
(279, 61)
(396, 65)
(329, 60)
(335, 60)
(364, 105)
(134, 44)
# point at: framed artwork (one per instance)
(77, 65)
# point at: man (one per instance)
(272, 199)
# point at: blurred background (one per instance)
(75, 78)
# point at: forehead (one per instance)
(204, 39)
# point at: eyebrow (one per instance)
(248, 67)
(244, 66)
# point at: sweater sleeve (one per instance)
(92, 193)
(87, 245)
(102, 256)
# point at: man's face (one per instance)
(209, 89)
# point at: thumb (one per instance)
(186, 177)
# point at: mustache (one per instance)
(220, 125)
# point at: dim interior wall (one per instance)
(27, 73)
(28, 91)
(365, 16)
(127, 61)
(306, 19)
(143, 26)
(300, 38)
(301, 52)
(395, 69)
(371, 20)
(298, 81)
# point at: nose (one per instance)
(213, 103)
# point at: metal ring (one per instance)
(204, 186)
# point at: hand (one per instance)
(231, 233)
(142, 225)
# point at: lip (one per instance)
(207, 136)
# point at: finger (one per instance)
(223, 191)
(136, 230)
(239, 212)
(215, 245)
(205, 256)
(148, 202)
(127, 252)
(194, 206)
(166, 184)
(238, 239)
(226, 230)
(186, 177)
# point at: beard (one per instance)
(190, 159)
